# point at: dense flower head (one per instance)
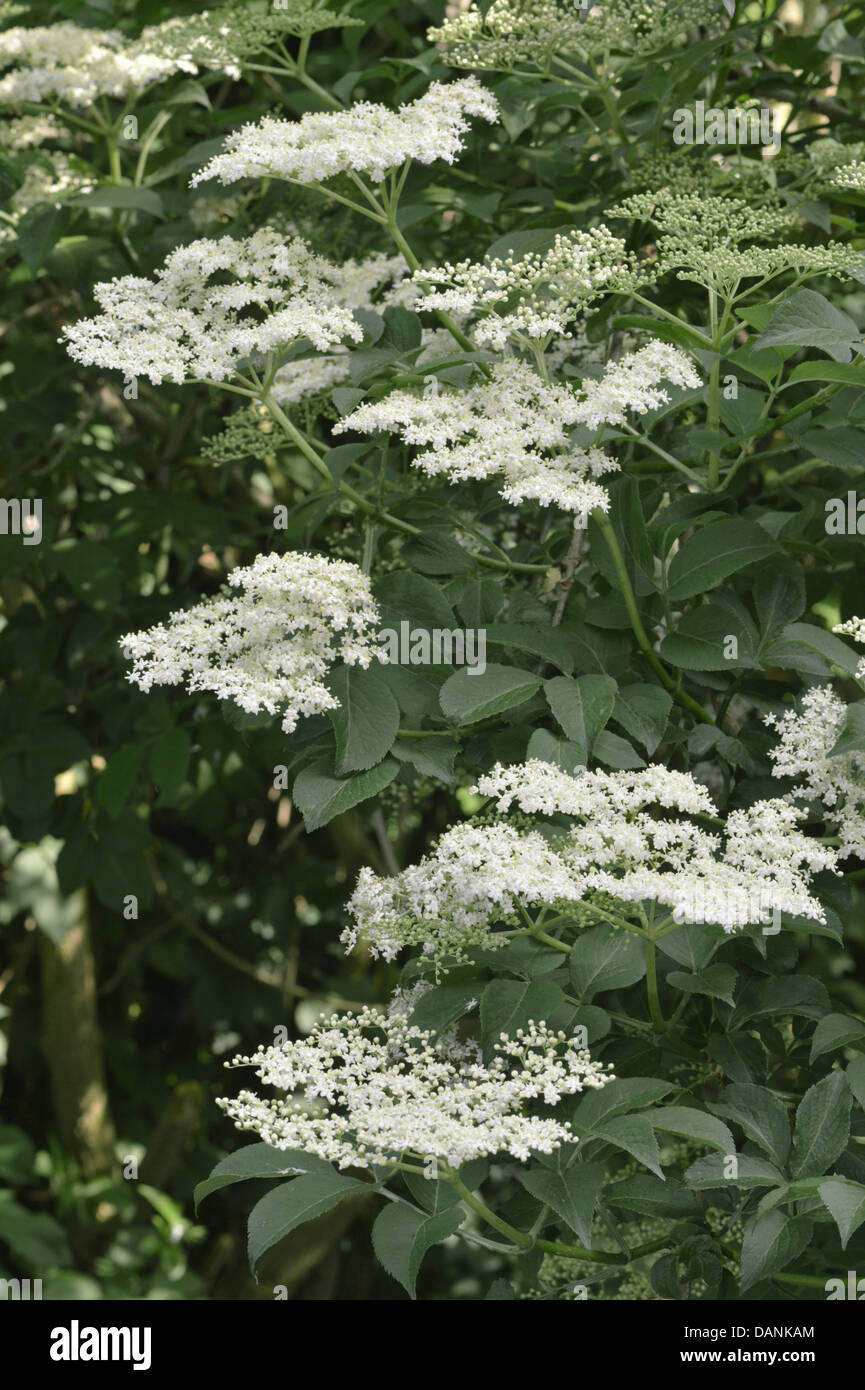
(514, 33)
(532, 296)
(375, 282)
(76, 65)
(516, 425)
(270, 646)
(368, 138)
(597, 839)
(377, 1087)
(708, 239)
(804, 751)
(446, 901)
(213, 306)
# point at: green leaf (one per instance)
(366, 721)
(850, 373)
(769, 1244)
(549, 645)
(560, 752)
(434, 757)
(401, 1237)
(404, 597)
(855, 1074)
(751, 1171)
(834, 1031)
(846, 1202)
(507, 1005)
(713, 553)
(702, 642)
(169, 762)
(582, 707)
(437, 553)
(115, 784)
(439, 1007)
(760, 1114)
(321, 796)
(38, 232)
(615, 752)
(293, 1203)
(643, 710)
(809, 319)
(605, 958)
(693, 1124)
(652, 1196)
(822, 1126)
(258, 1161)
(716, 981)
(789, 994)
(635, 1135)
(812, 639)
(124, 198)
(617, 1098)
(741, 1057)
(571, 1194)
(472, 695)
(851, 739)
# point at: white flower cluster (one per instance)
(271, 646)
(804, 751)
(375, 282)
(855, 628)
(704, 238)
(49, 177)
(368, 138)
(27, 132)
(618, 849)
(513, 33)
(761, 866)
(379, 1088)
(850, 175)
(530, 297)
(445, 902)
(213, 306)
(516, 425)
(76, 66)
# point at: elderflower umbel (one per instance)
(445, 902)
(597, 841)
(804, 751)
(378, 1088)
(269, 647)
(532, 296)
(517, 425)
(213, 306)
(513, 33)
(76, 66)
(703, 238)
(367, 138)
(375, 282)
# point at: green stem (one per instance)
(655, 1010)
(605, 525)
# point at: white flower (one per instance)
(516, 425)
(618, 849)
(269, 647)
(375, 282)
(804, 751)
(367, 138)
(378, 1088)
(533, 296)
(474, 874)
(76, 66)
(187, 325)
